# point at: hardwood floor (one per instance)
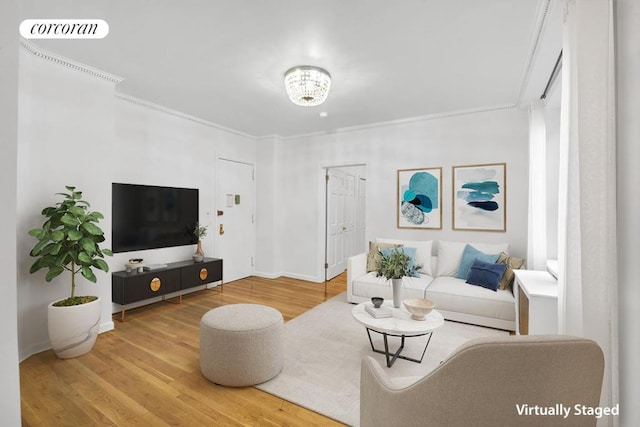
(146, 372)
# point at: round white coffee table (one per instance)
(400, 324)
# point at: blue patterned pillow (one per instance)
(469, 255)
(486, 274)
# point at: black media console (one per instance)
(130, 287)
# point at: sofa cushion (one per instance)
(450, 254)
(451, 294)
(513, 263)
(469, 255)
(423, 251)
(486, 274)
(369, 285)
(373, 258)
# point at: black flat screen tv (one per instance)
(150, 217)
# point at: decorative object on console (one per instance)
(69, 240)
(153, 267)
(134, 264)
(479, 197)
(307, 85)
(200, 232)
(420, 198)
(419, 307)
(396, 263)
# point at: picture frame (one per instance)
(419, 198)
(480, 197)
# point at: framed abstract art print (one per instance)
(480, 197)
(419, 202)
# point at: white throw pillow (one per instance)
(423, 251)
(450, 254)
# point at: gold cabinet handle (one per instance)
(155, 284)
(203, 274)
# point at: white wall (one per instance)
(488, 137)
(74, 130)
(628, 93)
(9, 370)
(65, 137)
(154, 147)
(268, 230)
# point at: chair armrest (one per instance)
(376, 389)
(356, 267)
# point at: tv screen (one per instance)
(149, 217)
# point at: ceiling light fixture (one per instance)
(307, 85)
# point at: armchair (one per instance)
(487, 381)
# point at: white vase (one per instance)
(397, 292)
(73, 330)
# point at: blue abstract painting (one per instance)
(420, 198)
(479, 197)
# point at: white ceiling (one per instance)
(224, 60)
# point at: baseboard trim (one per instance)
(267, 275)
(303, 277)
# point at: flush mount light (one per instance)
(307, 85)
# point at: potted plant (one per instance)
(394, 264)
(200, 232)
(69, 240)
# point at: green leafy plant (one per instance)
(396, 264)
(69, 240)
(200, 231)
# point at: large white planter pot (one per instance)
(73, 330)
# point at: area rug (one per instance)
(324, 348)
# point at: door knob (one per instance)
(221, 231)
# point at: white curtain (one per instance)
(587, 274)
(537, 224)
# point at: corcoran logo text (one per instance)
(64, 29)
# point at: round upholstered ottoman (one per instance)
(241, 344)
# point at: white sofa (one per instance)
(454, 298)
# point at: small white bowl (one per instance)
(418, 307)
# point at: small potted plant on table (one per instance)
(394, 264)
(200, 232)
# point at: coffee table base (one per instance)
(392, 357)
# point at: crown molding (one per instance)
(176, 113)
(544, 7)
(407, 120)
(65, 62)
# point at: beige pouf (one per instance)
(241, 344)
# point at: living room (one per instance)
(116, 137)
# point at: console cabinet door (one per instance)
(137, 287)
(201, 274)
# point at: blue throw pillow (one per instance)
(486, 274)
(469, 255)
(411, 252)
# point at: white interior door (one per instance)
(340, 220)
(235, 221)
